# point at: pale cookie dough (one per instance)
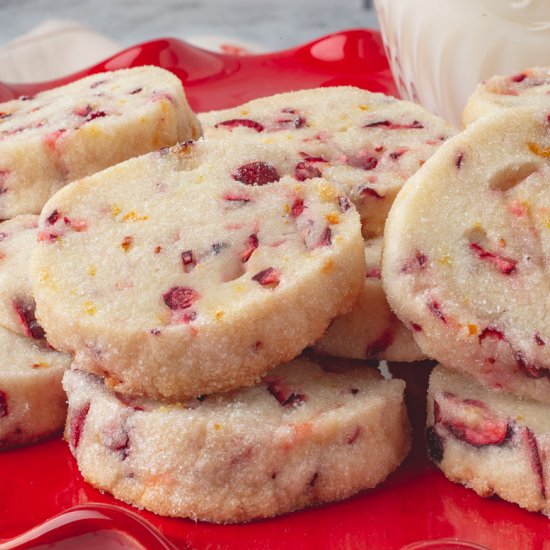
(17, 239)
(195, 269)
(366, 143)
(370, 330)
(492, 442)
(32, 401)
(529, 88)
(466, 253)
(300, 437)
(75, 130)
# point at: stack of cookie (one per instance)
(184, 280)
(465, 265)
(45, 142)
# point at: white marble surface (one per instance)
(274, 24)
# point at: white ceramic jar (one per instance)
(440, 49)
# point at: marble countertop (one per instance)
(272, 24)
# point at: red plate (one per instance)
(416, 503)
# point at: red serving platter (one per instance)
(416, 503)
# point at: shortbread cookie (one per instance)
(32, 402)
(530, 87)
(17, 239)
(466, 250)
(300, 437)
(492, 442)
(370, 330)
(196, 269)
(368, 144)
(69, 132)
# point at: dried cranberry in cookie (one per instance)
(370, 330)
(466, 252)
(367, 144)
(530, 87)
(300, 437)
(32, 401)
(57, 136)
(490, 441)
(17, 239)
(173, 278)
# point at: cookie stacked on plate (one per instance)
(182, 280)
(46, 141)
(465, 265)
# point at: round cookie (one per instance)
(370, 330)
(32, 401)
(466, 250)
(300, 437)
(368, 144)
(75, 130)
(17, 239)
(195, 269)
(491, 442)
(529, 88)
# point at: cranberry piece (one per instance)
(506, 266)
(458, 160)
(416, 327)
(534, 456)
(418, 262)
(136, 91)
(539, 341)
(394, 155)
(236, 197)
(256, 173)
(345, 204)
(305, 171)
(26, 313)
(3, 404)
(95, 114)
(297, 208)
(53, 217)
(188, 260)
(77, 424)
(371, 192)
(5, 115)
(243, 122)
(380, 344)
(326, 237)
(83, 111)
(180, 297)
(435, 308)
(485, 429)
(296, 121)
(269, 276)
(309, 158)
(490, 332)
(251, 245)
(435, 445)
(520, 77)
(374, 273)
(353, 437)
(414, 125)
(285, 397)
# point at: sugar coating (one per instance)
(466, 251)
(491, 442)
(370, 330)
(530, 87)
(69, 132)
(368, 144)
(32, 401)
(173, 278)
(17, 239)
(300, 437)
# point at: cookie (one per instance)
(368, 144)
(491, 442)
(75, 130)
(17, 239)
(196, 269)
(300, 437)
(32, 401)
(370, 330)
(466, 249)
(530, 87)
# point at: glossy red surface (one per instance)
(416, 503)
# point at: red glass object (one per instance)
(415, 504)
